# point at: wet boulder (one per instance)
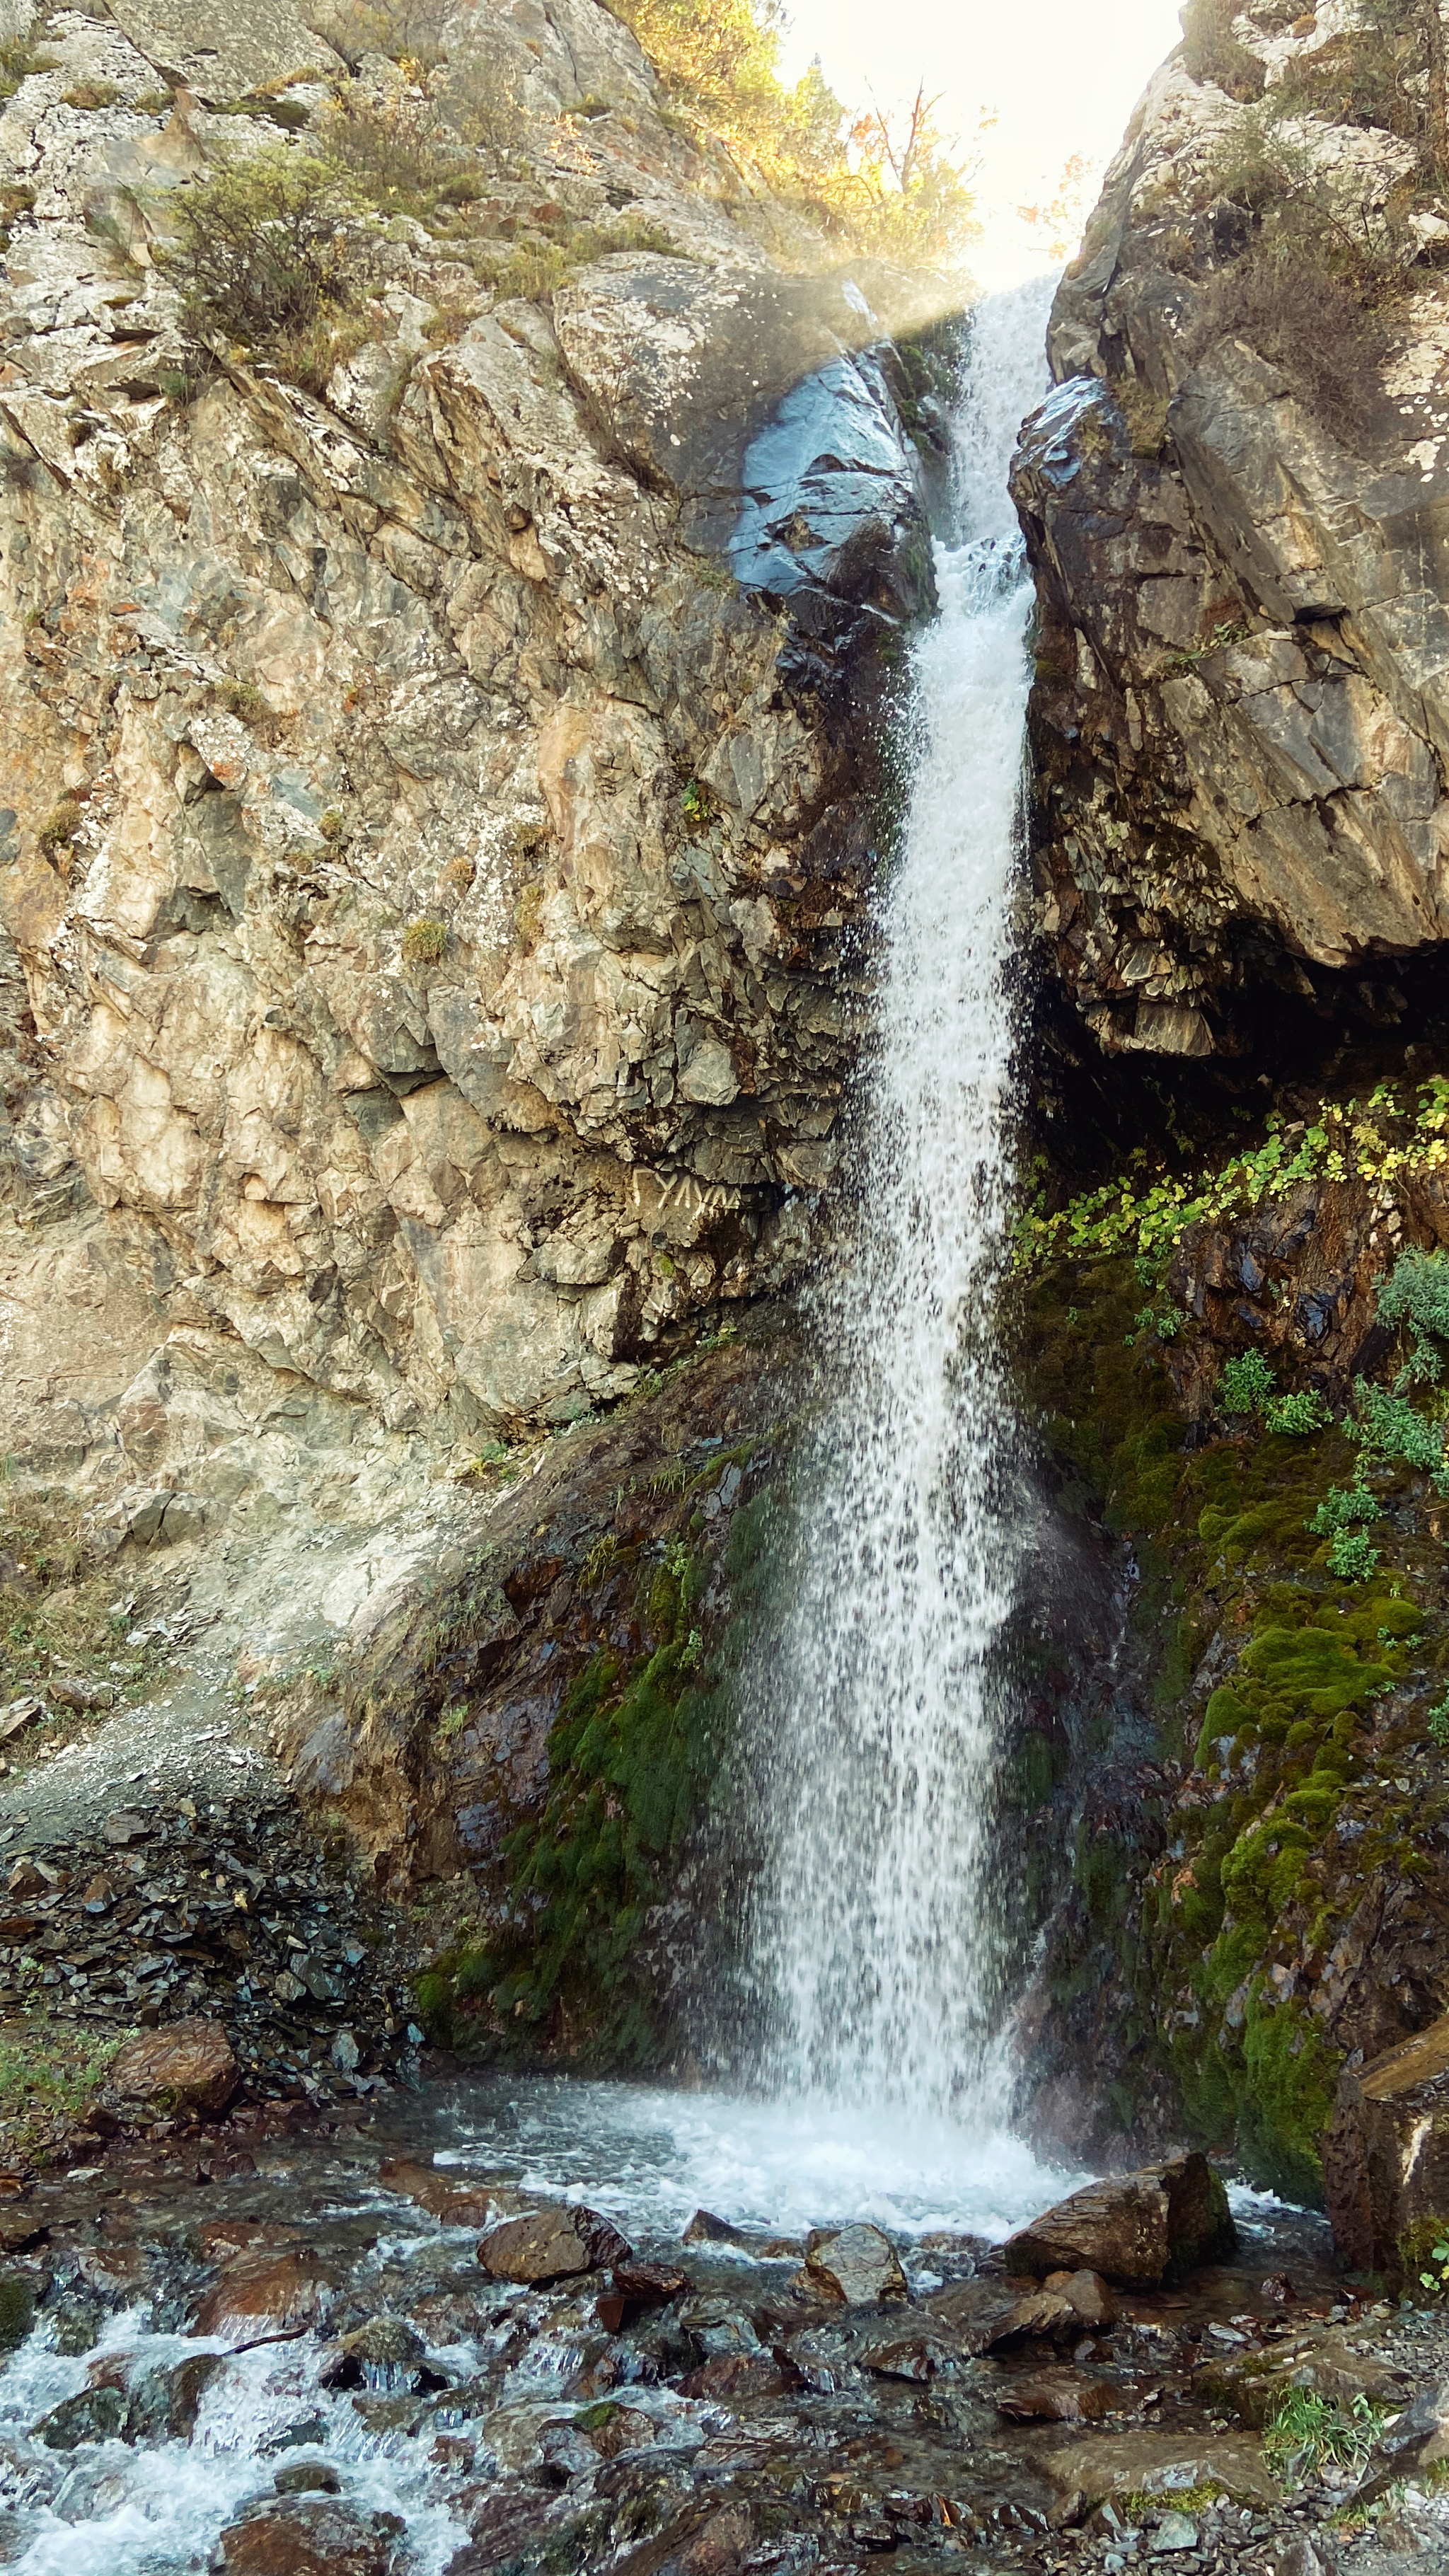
(552, 2244)
(856, 2264)
(1253, 2382)
(308, 2536)
(734, 2375)
(1139, 2228)
(1088, 2472)
(266, 2292)
(1056, 2397)
(92, 2415)
(186, 2066)
(1386, 2156)
(385, 2355)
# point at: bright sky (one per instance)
(1058, 76)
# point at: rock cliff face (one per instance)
(433, 836)
(1234, 501)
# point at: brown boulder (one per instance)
(308, 2536)
(1085, 2473)
(187, 2066)
(551, 2245)
(1041, 2314)
(263, 2293)
(1057, 2397)
(1139, 2228)
(1087, 2295)
(735, 2374)
(1386, 2156)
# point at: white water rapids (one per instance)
(878, 1929)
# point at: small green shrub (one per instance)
(1416, 1295)
(424, 942)
(1246, 1383)
(60, 826)
(1340, 1508)
(1351, 1557)
(1388, 1427)
(696, 804)
(1438, 1723)
(262, 252)
(1294, 1416)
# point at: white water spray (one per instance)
(876, 1931)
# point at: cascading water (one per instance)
(877, 1939)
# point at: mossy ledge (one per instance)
(531, 1747)
(1257, 1802)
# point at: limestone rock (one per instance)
(1138, 2229)
(551, 2245)
(1386, 2154)
(188, 2065)
(858, 2265)
(224, 49)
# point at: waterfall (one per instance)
(876, 1919)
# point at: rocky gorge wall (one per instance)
(436, 818)
(1233, 499)
(1234, 1657)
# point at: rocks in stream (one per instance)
(551, 2245)
(309, 2536)
(1139, 2228)
(858, 2265)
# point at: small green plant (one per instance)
(424, 942)
(1246, 1383)
(244, 700)
(91, 94)
(696, 803)
(453, 1721)
(261, 255)
(1351, 1556)
(1416, 1295)
(1438, 1723)
(1295, 1416)
(1340, 1508)
(1389, 1427)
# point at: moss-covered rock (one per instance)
(1256, 1803)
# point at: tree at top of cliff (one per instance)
(886, 183)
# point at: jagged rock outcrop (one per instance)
(1232, 500)
(432, 837)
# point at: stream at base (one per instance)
(300, 2367)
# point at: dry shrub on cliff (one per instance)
(1311, 322)
(263, 257)
(1211, 52)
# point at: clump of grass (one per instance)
(60, 827)
(91, 94)
(49, 2071)
(1308, 2433)
(424, 942)
(244, 700)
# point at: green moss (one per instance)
(634, 1756)
(1232, 1538)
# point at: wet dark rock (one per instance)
(736, 2374)
(92, 2415)
(1057, 2397)
(262, 2292)
(552, 2245)
(1252, 2382)
(1087, 2294)
(705, 2229)
(1139, 2229)
(856, 2264)
(383, 2355)
(17, 2309)
(308, 2477)
(1386, 2154)
(290, 2536)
